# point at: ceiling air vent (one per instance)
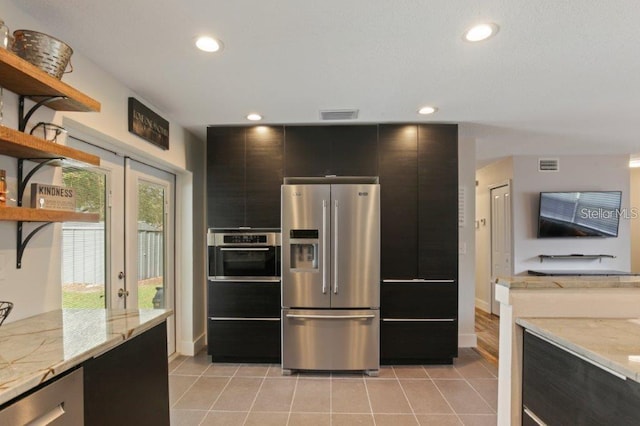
(339, 114)
(548, 164)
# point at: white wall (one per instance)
(576, 173)
(36, 287)
(634, 201)
(493, 174)
(466, 236)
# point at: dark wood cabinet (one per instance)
(244, 174)
(419, 300)
(128, 385)
(331, 150)
(397, 169)
(243, 321)
(560, 388)
(438, 201)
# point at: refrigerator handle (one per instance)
(335, 250)
(325, 260)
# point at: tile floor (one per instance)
(202, 393)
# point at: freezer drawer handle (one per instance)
(242, 319)
(330, 316)
(418, 280)
(418, 319)
(335, 252)
(245, 249)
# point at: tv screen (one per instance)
(579, 214)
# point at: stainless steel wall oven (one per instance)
(236, 255)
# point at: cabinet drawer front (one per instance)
(432, 299)
(244, 299)
(415, 341)
(563, 389)
(244, 340)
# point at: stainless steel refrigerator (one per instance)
(330, 274)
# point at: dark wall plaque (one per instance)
(147, 124)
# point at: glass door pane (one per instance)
(84, 244)
(151, 245)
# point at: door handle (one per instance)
(335, 251)
(121, 275)
(325, 260)
(330, 316)
(122, 292)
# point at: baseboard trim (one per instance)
(192, 348)
(483, 305)
(467, 340)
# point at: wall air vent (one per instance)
(339, 114)
(548, 164)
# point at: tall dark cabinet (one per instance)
(419, 265)
(244, 174)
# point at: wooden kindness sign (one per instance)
(52, 197)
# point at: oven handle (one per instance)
(330, 316)
(244, 249)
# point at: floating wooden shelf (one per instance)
(23, 78)
(575, 256)
(25, 214)
(22, 145)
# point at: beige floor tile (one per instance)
(387, 397)
(224, 418)
(347, 375)
(473, 369)
(468, 353)
(202, 394)
(438, 420)
(479, 420)
(312, 395)
(424, 397)
(221, 370)
(386, 373)
(493, 368)
(275, 395)
(352, 420)
(395, 420)
(178, 385)
(275, 371)
(442, 372)
(349, 396)
(488, 390)
(309, 419)
(410, 372)
(193, 365)
(256, 370)
(267, 419)
(462, 397)
(238, 395)
(176, 362)
(187, 417)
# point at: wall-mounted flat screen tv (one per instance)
(579, 214)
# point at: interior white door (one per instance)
(500, 238)
(149, 230)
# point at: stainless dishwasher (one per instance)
(59, 403)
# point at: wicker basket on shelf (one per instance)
(5, 308)
(45, 52)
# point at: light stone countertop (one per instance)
(569, 282)
(605, 341)
(35, 349)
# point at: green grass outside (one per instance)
(93, 299)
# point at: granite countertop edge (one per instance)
(571, 346)
(12, 387)
(568, 282)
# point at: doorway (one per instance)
(500, 238)
(126, 260)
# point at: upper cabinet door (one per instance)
(225, 177)
(398, 171)
(331, 150)
(264, 171)
(438, 201)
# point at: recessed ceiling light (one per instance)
(208, 44)
(481, 32)
(254, 117)
(426, 110)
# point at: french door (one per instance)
(127, 259)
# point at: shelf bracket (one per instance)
(21, 245)
(24, 180)
(24, 119)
